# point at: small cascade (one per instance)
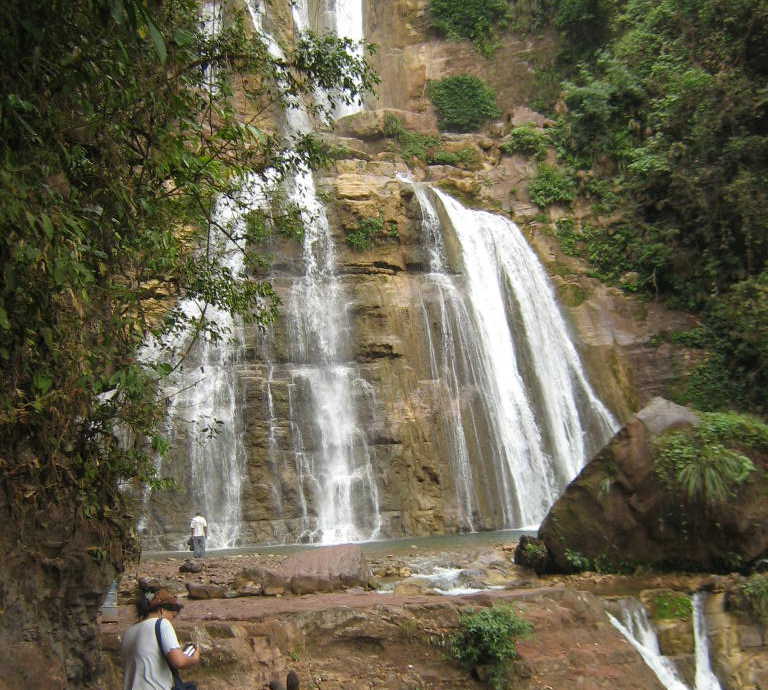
(335, 480)
(705, 678)
(640, 633)
(536, 420)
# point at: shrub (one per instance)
(474, 20)
(463, 158)
(551, 186)
(463, 102)
(487, 638)
(368, 230)
(528, 141)
(755, 591)
(577, 561)
(412, 144)
(705, 464)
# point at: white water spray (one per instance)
(337, 488)
(705, 678)
(640, 633)
(511, 343)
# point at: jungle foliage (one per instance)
(667, 104)
(463, 102)
(427, 148)
(479, 21)
(118, 137)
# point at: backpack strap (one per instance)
(177, 682)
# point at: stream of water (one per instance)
(502, 337)
(641, 634)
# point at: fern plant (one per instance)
(706, 464)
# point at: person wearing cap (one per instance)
(147, 667)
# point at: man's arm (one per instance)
(179, 660)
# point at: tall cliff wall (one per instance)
(401, 406)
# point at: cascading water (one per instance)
(337, 488)
(705, 678)
(204, 399)
(507, 344)
(348, 15)
(640, 633)
(449, 353)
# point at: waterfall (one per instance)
(337, 489)
(641, 634)
(449, 353)
(507, 344)
(349, 24)
(204, 399)
(705, 678)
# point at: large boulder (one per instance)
(326, 569)
(617, 514)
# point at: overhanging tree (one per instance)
(114, 148)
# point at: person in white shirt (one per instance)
(150, 663)
(199, 529)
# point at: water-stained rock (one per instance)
(617, 513)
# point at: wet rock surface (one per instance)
(398, 636)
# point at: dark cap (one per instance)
(164, 599)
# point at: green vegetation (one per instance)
(527, 140)
(478, 21)
(427, 148)
(370, 230)
(463, 102)
(283, 220)
(755, 592)
(551, 186)
(577, 562)
(706, 464)
(487, 638)
(672, 606)
(666, 107)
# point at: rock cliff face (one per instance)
(400, 406)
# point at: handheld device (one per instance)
(189, 650)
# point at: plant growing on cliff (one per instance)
(478, 21)
(369, 230)
(672, 605)
(551, 186)
(706, 464)
(463, 102)
(527, 140)
(487, 638)
(755, 592)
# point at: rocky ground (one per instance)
(394, 633)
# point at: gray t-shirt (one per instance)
(145, 666)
